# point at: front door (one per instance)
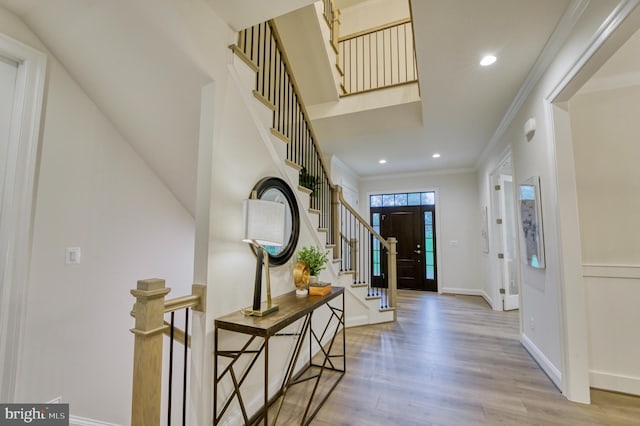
(413, 227)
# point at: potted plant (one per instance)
(309, 181)
(315, 258)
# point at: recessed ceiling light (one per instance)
(436, 155)
(383, 161)
(488, 60)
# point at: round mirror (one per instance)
(276, 189)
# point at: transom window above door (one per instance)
(403, 199)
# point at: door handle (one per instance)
(417, 251)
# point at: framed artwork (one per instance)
(531, 222)
(484, 230)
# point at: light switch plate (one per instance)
(72, 255)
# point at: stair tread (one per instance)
(314, 211)
(305, 190)
(293, 165)
(358, 285)
(386, 309)
(240, 54)
(373, 297)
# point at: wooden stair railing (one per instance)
(261, 47)
(362, 248)
(149, 312)
(378, 58)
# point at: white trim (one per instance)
(575, 370)
(83, 421)
(608, 27)
(548, 54)
(611, 271)
(618, 81)
(16, 206)
(615, 382)
(547, 366)
(418, 174)
(468, 292)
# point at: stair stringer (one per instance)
(359, 311)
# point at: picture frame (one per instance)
(531, 226)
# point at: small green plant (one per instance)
(309, 181)
(314, 257)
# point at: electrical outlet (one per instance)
(532, 324)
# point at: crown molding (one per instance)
(418, 174)
(559, 36)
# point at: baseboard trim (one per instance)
(468, 292)
(614, 382)
(547, 366)
(463, 291)
(83, 421)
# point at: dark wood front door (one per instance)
(413, 227)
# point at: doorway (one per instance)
(507, 287)
(22, 77)
(411, 219)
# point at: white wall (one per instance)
(342, 175)
(457, 223)
(605, 128)
(94, 192)
(370, 14)
(553, 307)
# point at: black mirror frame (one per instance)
(289, 246)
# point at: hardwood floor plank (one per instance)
(451, 360)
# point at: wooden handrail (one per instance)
(351, 210)
(375, 29)
(305, 113)
(195, 300)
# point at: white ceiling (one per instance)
(100, 43)
(462, 102)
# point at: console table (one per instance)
(258, 331)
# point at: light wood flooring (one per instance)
(451, 360)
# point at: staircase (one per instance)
(259, 67)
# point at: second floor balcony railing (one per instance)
(378, 58)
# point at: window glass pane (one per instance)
(401, 199)
(429, 244)
(430, 258)
(428, 198)
(428, 231)
(430, 272)
(376, 219)
(388, 200)
(376, 201)
(413, 199)
(428, 218)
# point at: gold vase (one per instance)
(301, 276)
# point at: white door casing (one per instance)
(16, 203)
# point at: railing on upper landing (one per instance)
(378, 58)
(275, 83)
(151, 328)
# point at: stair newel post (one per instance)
(147, 356)
(335, 221)
(393, 274)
